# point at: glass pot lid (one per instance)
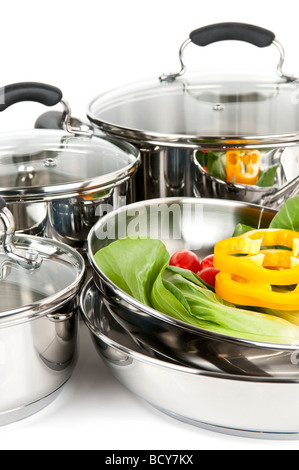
(36, 274)
(174, 108)
(51, 162)
(54, 162)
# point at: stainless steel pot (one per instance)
(173, 116)
(195, 224)
(40, 280)
(58, 182)
(264, 408)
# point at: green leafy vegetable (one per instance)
(216, 165)
(139, 266)
(135, 265)
(241, 228)
(190, 276)
(202, 157)
(288, 216)
(214, 161)
(222, 317)
(267, 177)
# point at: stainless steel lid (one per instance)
(36, 274)
(175, 109)
(50, 163)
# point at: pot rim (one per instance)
(89, 287)
(79, 187)
(205, 142)
(74, 191)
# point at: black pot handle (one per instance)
(55, 120)
(209, 34)
(206, 35)
(50, 120)
(29, 91)
(2, 203)
(44, 94)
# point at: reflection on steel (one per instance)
(221, 401)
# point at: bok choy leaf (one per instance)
(140, 267)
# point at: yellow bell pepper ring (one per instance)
(243, 167)
(241, 292)
(254, 256)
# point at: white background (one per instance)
(85, 48)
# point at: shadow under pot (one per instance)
(58, 182)
(40, 281)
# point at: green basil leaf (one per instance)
(267, 177)
(202, 157)
(216, 165)
(288, 216)
(241, 228)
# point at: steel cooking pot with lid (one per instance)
(57, 182)
(40, 280)
(174, 116)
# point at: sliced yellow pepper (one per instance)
(277, 266)
(240, 292)
(259, 268)
(243, 167)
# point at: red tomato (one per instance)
(207, 262)
(185, 259)
(208, 275)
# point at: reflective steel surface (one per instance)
(195, 224)
(71, 219)
(38, 319)
(168, 118)
(243, 406)
(286, 183)
(58, 185)
(37, 358)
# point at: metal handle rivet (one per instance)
(31, 255)
(50, 163)
(218, 107)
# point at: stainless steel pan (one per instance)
(195, 224)
(263, 408)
